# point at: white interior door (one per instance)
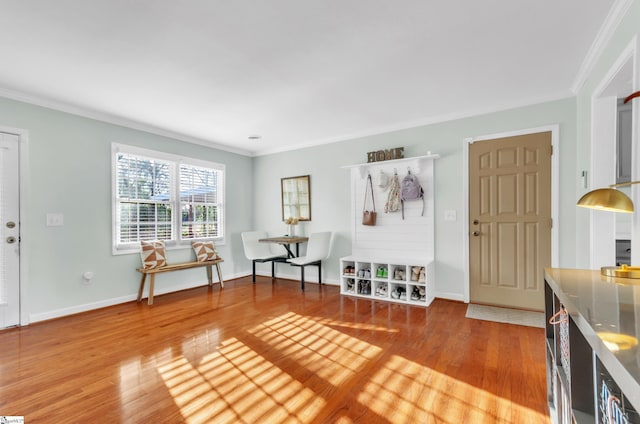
(9, 230)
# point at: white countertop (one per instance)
(602, 304)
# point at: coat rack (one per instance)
(417, 163)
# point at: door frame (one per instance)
(622, 78)
(555, 192)
(23, 137)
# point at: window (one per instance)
(146, 206)
(199, 202)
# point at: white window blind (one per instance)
(144, 199)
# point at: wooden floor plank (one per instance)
(271, 353)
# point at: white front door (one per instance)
(9, 230)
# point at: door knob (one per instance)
(11, 224)
(476, 233)
(11, 240)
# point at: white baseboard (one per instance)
(159, 290)
(450, 296)
(57, 313)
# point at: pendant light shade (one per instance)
(607, 199)
(610, 199)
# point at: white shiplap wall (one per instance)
(392, 238)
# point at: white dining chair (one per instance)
(261, 252)
(317, 250)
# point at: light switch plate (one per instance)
(55, 220)
(450, 215)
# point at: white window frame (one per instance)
(176, 241)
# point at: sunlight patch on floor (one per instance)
(237, 384)
(356, 325)
(329, 353)
(404, 391)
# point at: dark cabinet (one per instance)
(590, 379)
(569, 366)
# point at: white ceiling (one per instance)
(295, 72)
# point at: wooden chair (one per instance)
(317, 250)
(260, 252)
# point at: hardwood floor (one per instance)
(269, 354)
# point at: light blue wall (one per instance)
(331, 193)
(624, 34)
(70, 173)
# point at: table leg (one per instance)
(209, 275)
(144, 277)
(289, 252)
(151, 282)
(219, 275)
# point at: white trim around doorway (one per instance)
(622, 78)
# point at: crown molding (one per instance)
(416, 123)
(115, 120)
(607, 29)
(127, 123)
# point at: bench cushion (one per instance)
(205, 251)
(153, 254)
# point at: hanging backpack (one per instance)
(393, 201)
(410, 189)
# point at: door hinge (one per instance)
(551, 150)
(551, 222)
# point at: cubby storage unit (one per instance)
(384, 256)
(593, 364)
(408, 281)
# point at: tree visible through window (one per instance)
(199, 202)
(145, 198)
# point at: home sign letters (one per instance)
(389, 154)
